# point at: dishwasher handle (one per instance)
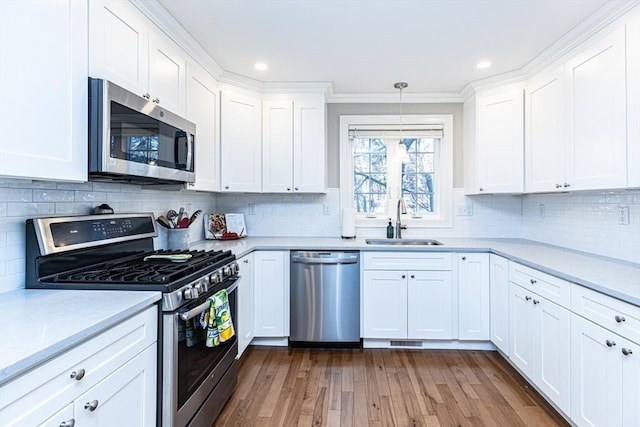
(326, 258)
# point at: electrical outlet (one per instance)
(325, 209)
(623, 218)
(542, 210)
(252, 208)
(465, 210)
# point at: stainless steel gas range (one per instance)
(115, 252)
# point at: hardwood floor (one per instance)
(378, 387)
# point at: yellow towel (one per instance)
(223, 315)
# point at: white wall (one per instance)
(585, 222)
(22, 200)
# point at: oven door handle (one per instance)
(186, 315)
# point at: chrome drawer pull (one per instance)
(528, 298)
(68, 423)
(78, 375)
(91, 405)
(626, 352)
(610, 343)
(620, 319)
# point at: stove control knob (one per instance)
(235, 268)
(201, 287)
(226, 271)
(216, 278)
(190, 293)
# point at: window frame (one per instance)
(444, 181)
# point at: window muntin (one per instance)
(425, 182)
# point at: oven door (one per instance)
(191, 370)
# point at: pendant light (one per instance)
(402, 155)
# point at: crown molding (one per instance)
(392, 98)
(170, 26)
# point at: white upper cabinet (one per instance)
(633, 101)
(596, 105)
(293, 145)
(545, 133)
(129, 50)
(44, 56)
(496, 143)
(240, 130)
(202, 109)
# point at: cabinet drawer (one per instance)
(550, 287)
(40, 393)
(407, 261)
(617, 316)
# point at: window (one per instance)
(382, 161)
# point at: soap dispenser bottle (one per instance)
(389, 230)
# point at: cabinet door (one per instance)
(633, 106)
(522, 329)
(43, 86)
(271, 300)
(240, 146)
(430, 305)
(500, 142)
(277, 146)
(245, 315)
(630, 355)
(596, 93)
(128, 394)
(384, 296)
(202, 109)
(553, 351)
(473, 296)
(167, 72)
(545, 133)
(119, 44)
(309, 146)
(499, 295)
(596, 375)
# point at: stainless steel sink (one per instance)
(403, 242)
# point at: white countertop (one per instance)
(618, 279)
(37, 325)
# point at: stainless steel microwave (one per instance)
(133, 139)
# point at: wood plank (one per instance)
(382, 387)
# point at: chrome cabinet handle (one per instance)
(567, 185)
(558, 185)
(464, 258)
(91, 406)
(78, 375)
(246, 261)
(413, 276)
(288, 188)
(404, 276)
(527, 298)
(226, 187)
(620, 319)
(481, 189)
(610, 343)
(146, 96)
(68, 423)
(626, 352)
(295, 188)
(156, 100)
(533, 281)
(535, 301)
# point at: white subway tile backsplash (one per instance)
(16, 194)
(47, 195)
(30, 209)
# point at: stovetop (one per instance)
(144, 271)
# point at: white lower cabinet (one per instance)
(473, 296)
(128, 394)
(271, 281)
(540, 343)
(245, 314)
(401, 303)
(109, 380)
(499, 301)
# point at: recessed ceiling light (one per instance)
(483, 64)
(260, 66)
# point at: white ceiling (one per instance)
(364, 46)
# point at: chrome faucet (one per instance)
(402, 209)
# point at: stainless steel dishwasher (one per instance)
(325, 297)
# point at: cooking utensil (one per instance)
(172, 216)
(163, 221)
(184, 223)
(195, 215)
(180, 214)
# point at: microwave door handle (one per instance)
(190, 141)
